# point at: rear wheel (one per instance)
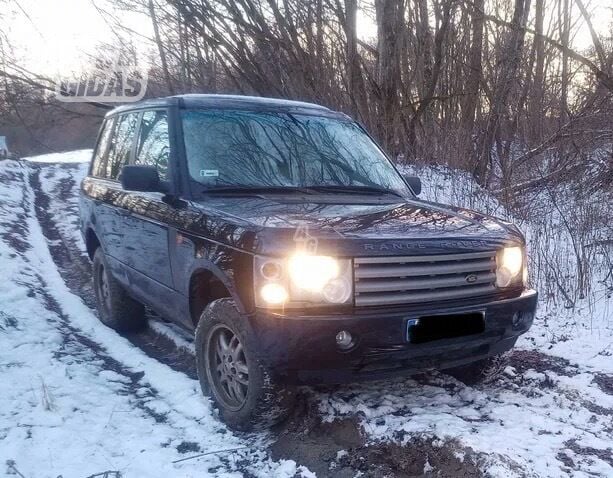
(116, 309)
(239, 383)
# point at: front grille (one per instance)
(415, 279)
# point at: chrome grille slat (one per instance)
(423, 269)
(432, 258)
(417, 284)
(394, 299)
(395, 280)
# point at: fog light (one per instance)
(344, 339)
(274, 294)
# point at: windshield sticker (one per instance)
(209, 173)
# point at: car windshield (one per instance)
(261, 150)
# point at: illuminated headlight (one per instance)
(510, 267)
(307, 280)
(312, 273)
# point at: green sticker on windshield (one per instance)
(209, 173)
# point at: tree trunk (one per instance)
(564, 40)
(390, 17)
(356, 87)
(160, 45)
(473, 82)
(537, 115)
(510, 57)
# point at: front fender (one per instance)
(232, 267)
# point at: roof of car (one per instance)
(253, 103)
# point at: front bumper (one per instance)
(303, 350)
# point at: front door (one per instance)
(148, 240)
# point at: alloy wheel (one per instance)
(227, 367)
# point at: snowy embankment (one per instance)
(77, 398)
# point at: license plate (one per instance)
(428, 328)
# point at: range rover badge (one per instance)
(470, 278)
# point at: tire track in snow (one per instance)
(75, 269)
(150, 386)
(74, 339)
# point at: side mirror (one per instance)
(415, 183)
(141, 178)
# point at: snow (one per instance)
(80, 156)
(76, 398)
(528, 419)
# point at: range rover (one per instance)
(285, 240)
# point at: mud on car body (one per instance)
(281, 234)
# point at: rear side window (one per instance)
(153, 148)
(121, 145)
(99, 165)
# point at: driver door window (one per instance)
(153, 148)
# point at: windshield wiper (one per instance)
(356, 190)
(255, 190)
(248, 190)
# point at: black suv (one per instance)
(283, 236)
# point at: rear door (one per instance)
(113, 212)
(108, 211)
(91, 192)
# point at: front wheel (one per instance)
(229, 371)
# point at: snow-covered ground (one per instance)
(77, 399)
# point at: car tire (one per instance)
(481, 371)
(240, 384)
(116, 309)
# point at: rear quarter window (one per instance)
(100, 155)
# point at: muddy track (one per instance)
(14, 231)
(79, 348)
(76, 272)
(74, 343)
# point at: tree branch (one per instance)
(605, 79)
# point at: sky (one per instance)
(57, 37)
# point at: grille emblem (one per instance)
(470, 278)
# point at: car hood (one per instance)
(355, 226)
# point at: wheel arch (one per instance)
(91, 242)
(205, 286)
